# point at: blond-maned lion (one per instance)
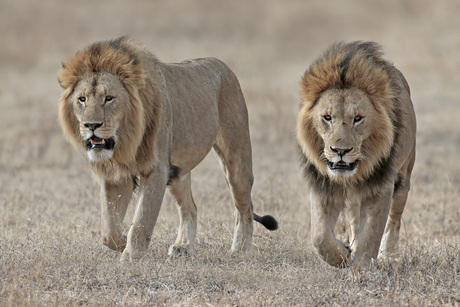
(356, 134)
(136, 118)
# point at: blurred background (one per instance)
(268, 44)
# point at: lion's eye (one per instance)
(82, 99)
(327, 118)
(358, 118)
(108, 98)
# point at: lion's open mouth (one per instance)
(95, 142)
(341, 165)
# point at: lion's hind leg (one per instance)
(181, 191)
(237, 166)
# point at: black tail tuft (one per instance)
(267, 220)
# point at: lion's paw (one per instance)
(115, 244)
(130, 255)
(180, 250)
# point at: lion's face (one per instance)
(99, 102)
(345, 121)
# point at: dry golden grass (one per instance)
(50, 251)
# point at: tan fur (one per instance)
(357, 111)
(161, 119)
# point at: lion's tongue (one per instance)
(96, 140)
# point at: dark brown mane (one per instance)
(356, 65)
(353, 65)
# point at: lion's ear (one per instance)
(61, 78)
(66, 77)
(311, 88)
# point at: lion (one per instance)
(139, 120)
(356, 137)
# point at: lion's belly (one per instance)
(193, 138)
(186, 162)
(187, 157)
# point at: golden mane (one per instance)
(124, 59)
(119, 57)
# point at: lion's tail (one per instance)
(267, 220)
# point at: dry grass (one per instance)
(50, 252)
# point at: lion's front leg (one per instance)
(352, 210)
(151, 191)
(324, 214)
(373, 217)
(114, 202)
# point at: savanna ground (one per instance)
(50, 250)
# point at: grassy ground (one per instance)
(50, 250)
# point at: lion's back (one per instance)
(202, 86)
(207, 72)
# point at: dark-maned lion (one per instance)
(135, 117)
(356, 135)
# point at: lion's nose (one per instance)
(92, 126)
(341, 151)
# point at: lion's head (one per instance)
(345, 127)
(104, 109)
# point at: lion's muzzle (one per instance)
(341, 162)
(96, 142)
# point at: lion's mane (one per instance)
(344, 66)
(135, 152)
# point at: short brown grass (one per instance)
(50, 251)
